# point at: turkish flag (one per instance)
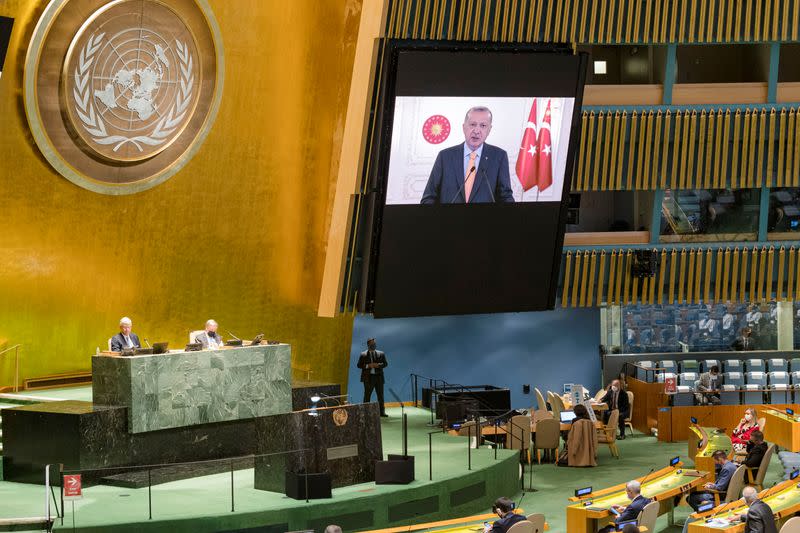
(528, 158)
(545, 174)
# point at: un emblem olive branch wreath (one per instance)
(93, 122)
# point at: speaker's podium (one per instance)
(333, 447)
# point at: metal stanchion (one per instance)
(430, 456)
(149, 495)
(232, 501)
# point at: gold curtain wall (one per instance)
(596, 21)
(686, 275)
(238, 235)
(703, 148)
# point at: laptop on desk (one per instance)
(567, 417)
(160, 347)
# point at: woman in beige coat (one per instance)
(581, 448)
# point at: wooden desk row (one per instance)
(468, 524)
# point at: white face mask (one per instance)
(748, 417)
(614, 388)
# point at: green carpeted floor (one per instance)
(208, 498)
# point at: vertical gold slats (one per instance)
(652, 291)
(768, 8)
(737, 122)
(440, 23)
(729, 21)
(576, 281)
(708, 171)
(664, 17)
(690, 281)
(656, 148)
(676, 143)
(621, 151)
(738, 22)
(757, 21)
(795, 19)
(600, 139)
(692, 21)
(565, 287)
(790, 277)
(583, 18)
(618, 19)
(684, 148)
(797, 273)
(648, 150)
(601, 278)
(579, 179)
(751, 151)
(601, 34)
(702, 177)
(661, 271)
(767, 295)
(614, 149)
(785, 21)
(607, 147)
(762, 125)
(718, 275)
(548, 22)
(674, 20)
(796, 156)
(665, 149)
(415, 32)
(629, 19)
(781, 147)
(584, 278)
(743, 273)
(789, 178)
(748, 19)
(707, 276)
(682, 19)
(726, 127)
(682, 277)
(757, 274)
(594, 6)
(590, 285)
(632, 151)
(781, 266)
(628, 261)
(701, 20)
(698, 275)
(690, 175)
(673, 266)
(634, 294)
(726, 277)
(637, 18)
(612, 276)
(734, 273)
(718, 178)
(618, 281)
(745, 172)
(771, 146)
(640, 149)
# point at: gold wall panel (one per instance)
(238, 235)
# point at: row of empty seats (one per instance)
(728, 365)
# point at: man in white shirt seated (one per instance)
(209, 338)
(125, 339)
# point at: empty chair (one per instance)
(705, 366)
(641, 373)
(628, 420)
(558, 406)
(649, 515)
(791, 526)
(794, 364)
(668, 365)
(729, 394)
(519, 429)
(794, 379)
(608, 433)
(537, 519)
(548, 437)
(777, 365)
(733, 378)
(540, 403)
(778, 387)
(755, 365)
(755, 382)
(690, 365)
(522, 527)
(733, 365)
(684, 396)
(687, 378)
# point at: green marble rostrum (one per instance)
(187, 388)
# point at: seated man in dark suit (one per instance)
(472, 172)
(724, 475)
(617, 398)
(759, 517)
(756, 448)
(125, 339)
(210, 339)
(630, 512)
(504, 508)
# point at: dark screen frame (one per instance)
(377, 171)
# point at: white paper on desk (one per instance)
(718, 522)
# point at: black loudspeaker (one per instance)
(645, 264)
(397, 470)
(319, 486)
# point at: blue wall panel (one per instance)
(544, 349)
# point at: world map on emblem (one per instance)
(436, 129)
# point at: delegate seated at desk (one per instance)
(759, 517)
(617, 398)
(756, 449)
(741, 433)
(633, 489)
(125, 339)
(723, 479)
(210, 339)
(503, 508)
(708, 387)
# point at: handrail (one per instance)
(16, 348)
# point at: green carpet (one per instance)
(203, 504)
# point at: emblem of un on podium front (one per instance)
(121, 94)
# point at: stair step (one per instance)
(25, 523)
(24, 399)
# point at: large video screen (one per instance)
(471, 177)
(5, 36)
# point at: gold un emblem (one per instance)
(139, 84)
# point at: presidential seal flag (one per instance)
(138, 89)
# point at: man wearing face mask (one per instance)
(210, 339)
(617, 398)
(472, 172)
(708, 386)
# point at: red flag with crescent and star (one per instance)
(528, 158)
(545, 152)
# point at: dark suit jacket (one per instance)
(622, 400)
(363, 361)
(755, 454)
(118, 342)
(632, 511)
(760, 519)
(738, 344)
(502, 525)
(492, 180)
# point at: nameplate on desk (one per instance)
(343, 452)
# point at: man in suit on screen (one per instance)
(472, 172)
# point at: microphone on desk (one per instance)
(641, 483)
(483, 174)
(232, 335)
(463, 184)
(148, 342)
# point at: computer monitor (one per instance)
(693, 420)
(567, 416)
(257, 340)
(790, 412)
(705, 507)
